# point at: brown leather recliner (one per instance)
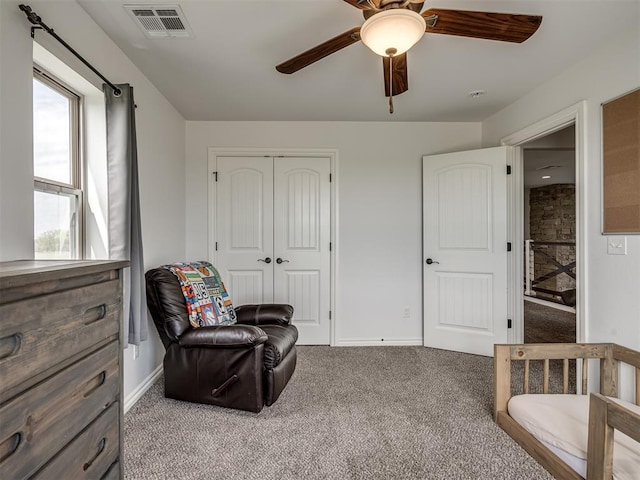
(243, 366)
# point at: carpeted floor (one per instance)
(348, 413)
(543, 324)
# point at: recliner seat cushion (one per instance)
(281, 339)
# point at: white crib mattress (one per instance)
(562, 422)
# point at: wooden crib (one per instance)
(604, 416)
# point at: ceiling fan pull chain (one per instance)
(390, 84)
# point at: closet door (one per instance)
(302, 216)
(273, 226)
(244, 227)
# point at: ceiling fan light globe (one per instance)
(397, 29)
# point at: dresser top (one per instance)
(23, 272)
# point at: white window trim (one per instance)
(75, 188)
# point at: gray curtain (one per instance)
(125, 235)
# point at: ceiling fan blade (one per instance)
(505, 27)
(319, 52)
(361, 4)
(400, 78)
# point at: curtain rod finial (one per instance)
(31, 15)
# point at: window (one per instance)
(58, 225)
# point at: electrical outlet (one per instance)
(406, 312)
(617, 245)
(136, 352)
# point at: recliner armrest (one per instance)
(265, 314)
(223, 336)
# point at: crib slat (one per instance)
(565, 375)
(526, 376)
(585, 371)
(545, 376)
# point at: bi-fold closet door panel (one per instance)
(273, 236)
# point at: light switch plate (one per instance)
(617, 245)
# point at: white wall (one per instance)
(161, 139)
(379, 181)
(613, 282)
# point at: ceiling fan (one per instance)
(392, 27)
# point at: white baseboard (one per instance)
(547, 303)
(395, 342)
(134, 396)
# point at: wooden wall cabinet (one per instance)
(61, 369)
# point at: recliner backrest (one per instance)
(167, 305)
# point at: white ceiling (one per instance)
(227, 71)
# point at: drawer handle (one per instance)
(9, 446)
(94, 314)
(10, 345)
(95, 383)
(101, 446)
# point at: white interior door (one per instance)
(273, 224)
(244, 227)
(301, 240)
(465, 250)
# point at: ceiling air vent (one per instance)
(160, 21)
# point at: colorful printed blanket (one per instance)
(208, 301)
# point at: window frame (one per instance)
(76, 187)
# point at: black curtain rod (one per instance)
(36, 20)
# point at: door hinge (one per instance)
(329, 314)
(508, 246)
(330, 178)
(215, 174)
(508, 169)
(508, 323)
(330, 246)
(216, 246)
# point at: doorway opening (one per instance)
(550, 261)
(573, 116)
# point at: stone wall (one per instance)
(553, 219)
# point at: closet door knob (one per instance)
(280, 260)
(265, 260)
(429, 261)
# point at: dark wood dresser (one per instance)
(60, 369)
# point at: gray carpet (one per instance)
(348, 413)
(543, 324)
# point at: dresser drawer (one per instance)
(91, 454)
(113, 473)
(41, 421)
(38, 333)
